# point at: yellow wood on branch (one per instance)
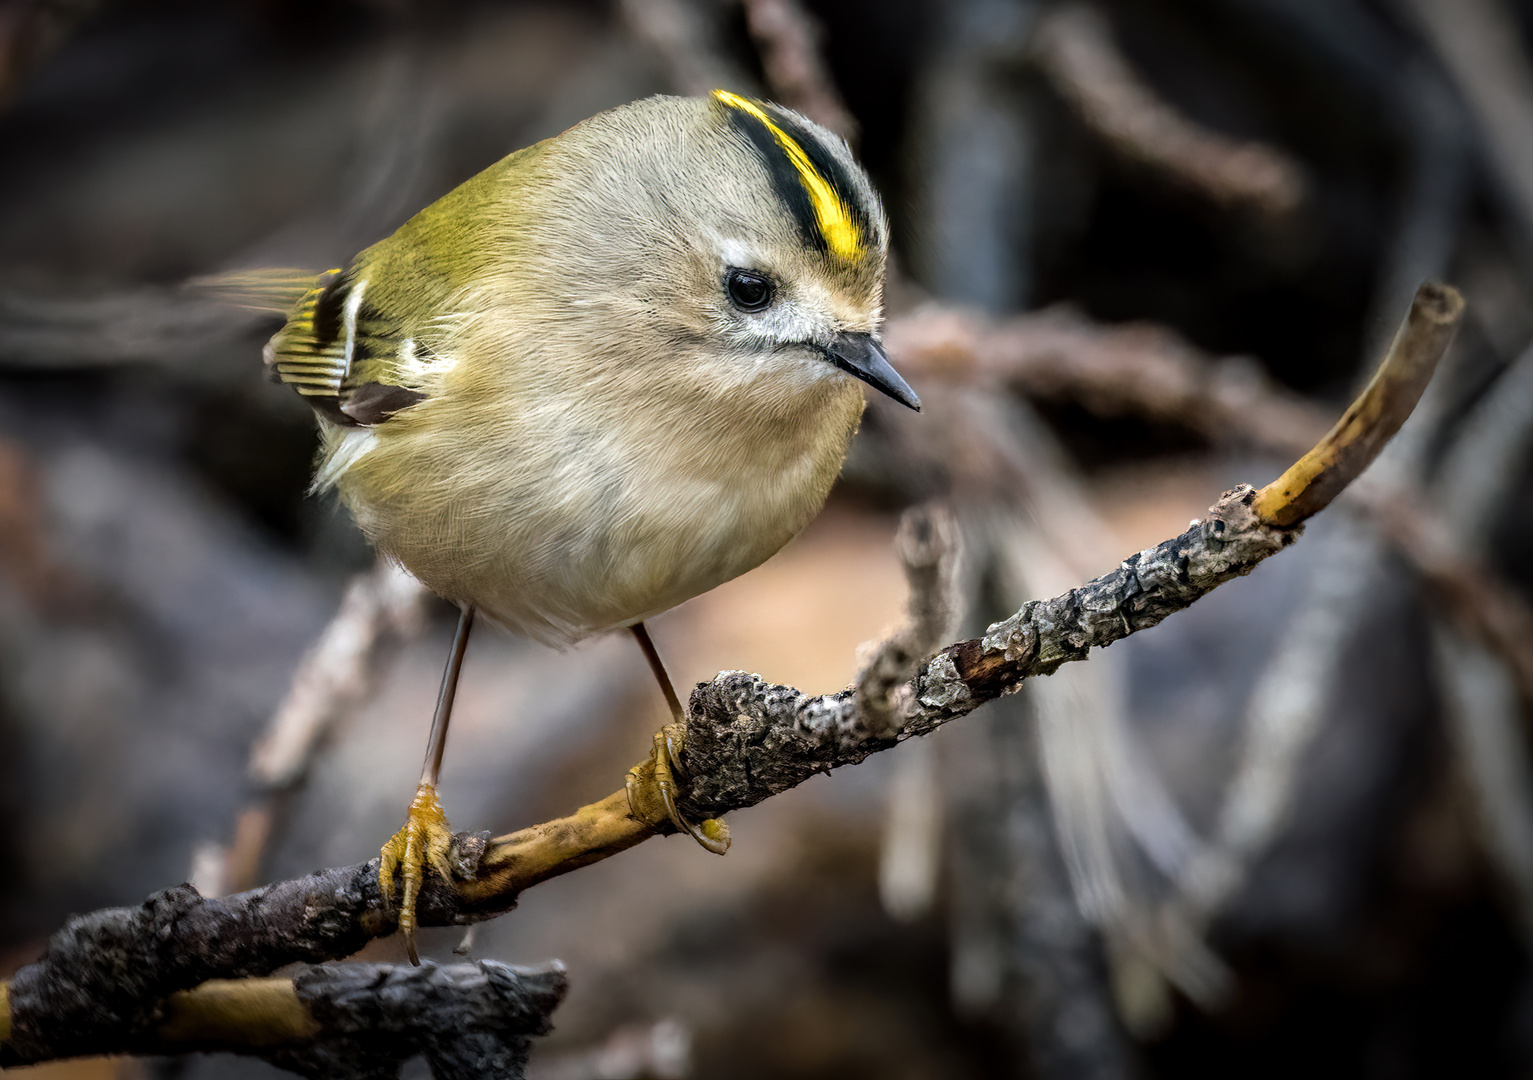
(233, 1012)
(1319, 476)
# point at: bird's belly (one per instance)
(622, 559)
(592, 541)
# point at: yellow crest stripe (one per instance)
(835, 222)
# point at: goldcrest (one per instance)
(608, 373)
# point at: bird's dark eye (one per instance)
(748, 290)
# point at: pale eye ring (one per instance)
(749, 290)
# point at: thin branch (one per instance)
(1482, 609)
(1314, 480)
(683, 39)
(381, 608)
(927, 543)
(1149, 371)
(101, 985)
(1075, 49)
(338, 671)
(1480, 43)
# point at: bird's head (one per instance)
(737, 235)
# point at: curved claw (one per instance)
(425, 838)
(656, 780)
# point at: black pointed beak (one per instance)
(858, 354)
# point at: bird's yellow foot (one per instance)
(653, 787)
(425, 839)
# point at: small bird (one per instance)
(607, 374)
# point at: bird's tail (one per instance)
(275, 289)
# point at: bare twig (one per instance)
(1480, 607)
(1149, 371)
(1314, 480)
(1280, 723)
(1487, 685)
(381, 606)
(1479, 42)
(1075, 48)
(927, 543)
(746, 740)
(338, 671)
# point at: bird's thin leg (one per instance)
(657, 777)
(436, 744)
(426, 837)
(656, 665)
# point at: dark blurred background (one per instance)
(1143, 250)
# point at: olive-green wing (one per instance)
(349, 347)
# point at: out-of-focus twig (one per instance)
(381, 606)
(1283, 716)
(927, 543)
(788, 39)
(1480, 43)
(1474, 486)
(1482, 608)
(27, 562)
(910, 853)
(339, 670)
(1074, 47)
(1136, 369)
(928, 546)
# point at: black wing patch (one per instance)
(334, 347)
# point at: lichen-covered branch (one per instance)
(121, 981)
(348, 1021)
(1149, 371)
(104, 984)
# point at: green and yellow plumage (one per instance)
(538, 394)
(605, 375)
